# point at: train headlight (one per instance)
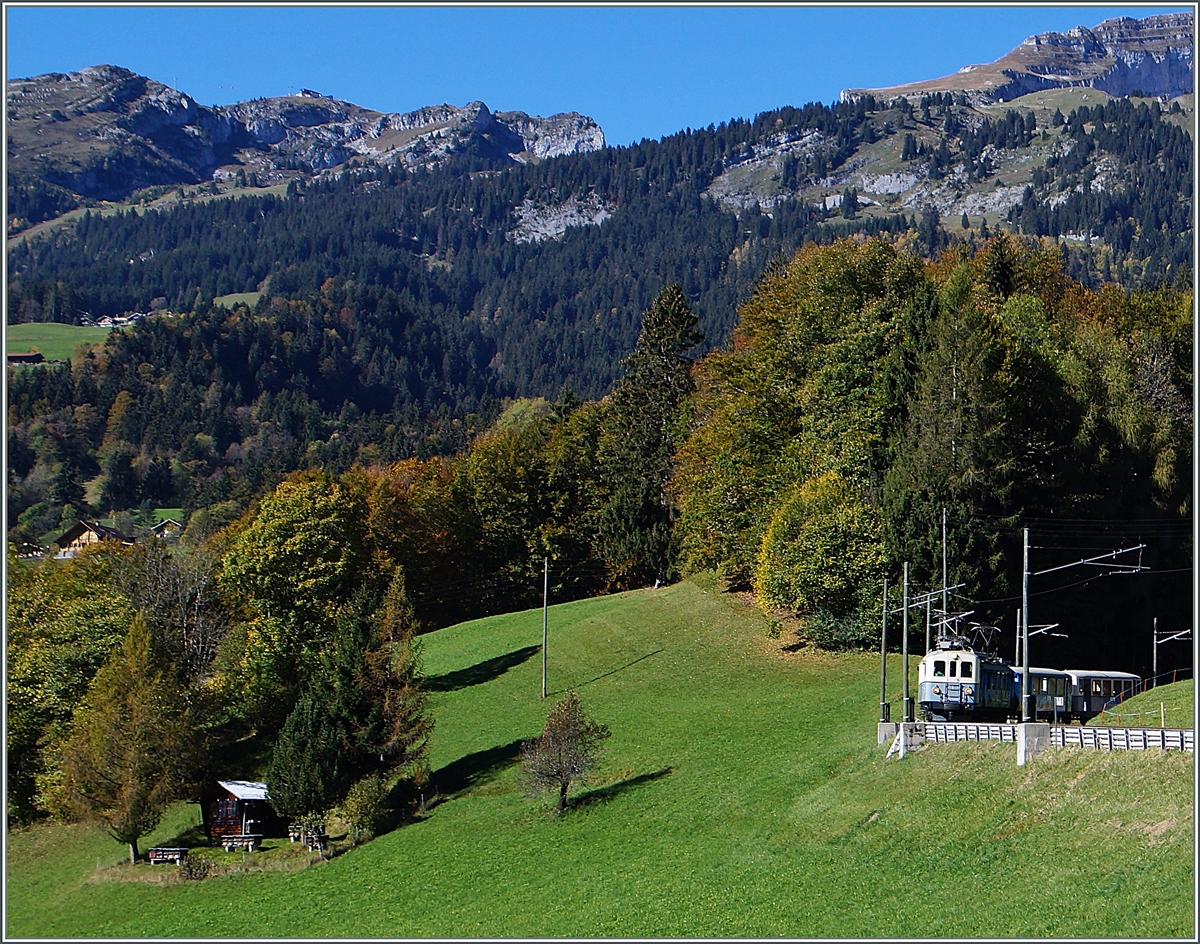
(937, 689)
(969, 690)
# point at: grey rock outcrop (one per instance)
(536, 222)
(556, 136)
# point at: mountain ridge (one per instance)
(1153, 55)
(104, 132)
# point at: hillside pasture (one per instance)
(742, 793)
(53, 341)
(238, 298)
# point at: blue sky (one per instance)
(639, 71)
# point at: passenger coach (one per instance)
(1051, 691)
(1093, 690)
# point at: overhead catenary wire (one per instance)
(1039, 593)
(1043, 522)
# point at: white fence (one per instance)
(946, 731)
(1061, 735)
(1122, 739)
(1033, 738)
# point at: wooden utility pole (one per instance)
(545, 618)
(1154, 668)
(928, 621)
(945, 605)
(1186, 634)
(907, 713)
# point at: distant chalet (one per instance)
(85, 534)
(167, 528)
(25, 357)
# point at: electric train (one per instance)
(956, 683)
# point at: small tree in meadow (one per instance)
(566, 752)
(133, 747)
(366, 807)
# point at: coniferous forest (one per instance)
(397, 311)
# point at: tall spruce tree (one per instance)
(307, 774)
(362, 713)
(635, 523)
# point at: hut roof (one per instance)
(245, 789)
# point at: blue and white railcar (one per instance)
(1093, 690)
(956, 683)
(1051, 691)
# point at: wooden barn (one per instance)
(239, 808)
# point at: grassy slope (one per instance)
(741, 794)
(53, 341)
(1178, 707)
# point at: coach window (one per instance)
(966, 670)
(939, 668)
(953, 668)
(1095, 686)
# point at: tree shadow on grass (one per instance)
(480, 672)
(410, 802)
(618, 669)
(613, 790)
(190, 838)
(474, 769)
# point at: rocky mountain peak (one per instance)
(1152, 56)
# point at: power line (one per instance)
(1051, 527)
(1040, 593)
(1057, 520)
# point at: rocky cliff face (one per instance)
(104, 132)
(556, 136)
(1152, 56)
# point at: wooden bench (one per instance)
(247, 841)
(160, 854)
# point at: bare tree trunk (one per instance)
(562, 796)
(133, 852)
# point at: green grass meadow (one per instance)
(1173, 704)
(742, 793)
(53, 341)
(238, 298)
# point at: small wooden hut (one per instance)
(239, 808)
